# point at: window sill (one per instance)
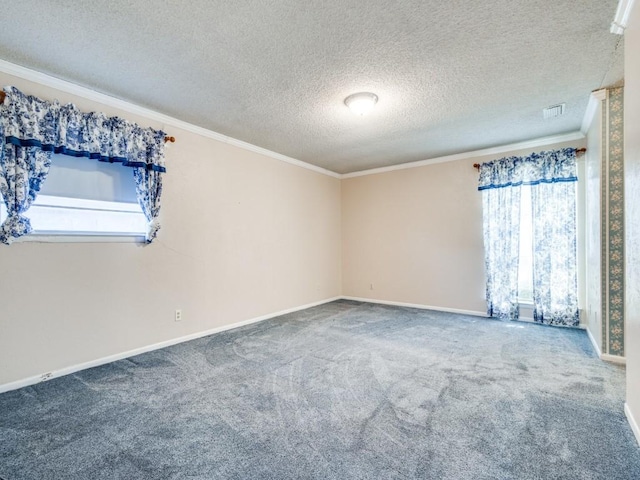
(80, 238)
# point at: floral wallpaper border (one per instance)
(615, 246)
(612, 218)
(604, 219)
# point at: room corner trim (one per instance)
(592, 107)
(593, 342)
(632, 421)
(156, 346)
(535, 143)
(86, 93)
(416, 305)
(613, 359)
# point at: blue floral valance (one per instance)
(28, 121)
(31, 130)
(544, 167)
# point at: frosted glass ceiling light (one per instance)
(361, 103)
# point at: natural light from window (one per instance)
(71, 216)
(83, 197)
(525, 268)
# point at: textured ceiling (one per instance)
(451, 76)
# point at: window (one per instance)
(34, 129)
(84, 197)
(529, 227)
(525, 259)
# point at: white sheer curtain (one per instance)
(555, 275)
(501, 229)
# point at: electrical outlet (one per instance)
(178, 317)
(371, 286)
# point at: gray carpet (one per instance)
(341, 391)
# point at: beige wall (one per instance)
(416, 235)
(592, 227)
(243, 235)
(632, 208)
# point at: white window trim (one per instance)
(53, 236)
(80, 238)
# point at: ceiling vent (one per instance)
(553, 111)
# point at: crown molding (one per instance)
(623, 11)
(538, 142)
(88, 94)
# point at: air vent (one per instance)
(553, 111)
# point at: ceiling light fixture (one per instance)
(361, 103)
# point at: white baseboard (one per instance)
(416, 305)
(174, 341)
(605, 356)
(137, 351)
(613, 359)
(632, 422)
(594, 343)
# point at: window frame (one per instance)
(67, 204)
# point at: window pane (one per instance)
(71, 216)
(82, 196)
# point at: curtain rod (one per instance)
(166, 139)
(578, 152)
